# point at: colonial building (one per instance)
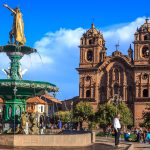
(123, 77)
(45, 104)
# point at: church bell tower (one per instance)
(141, 70)
(92, 53)
(142, 44)
(92, 48)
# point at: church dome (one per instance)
(93, 32)
(145, 27)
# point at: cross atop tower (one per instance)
(117, 46)
(147, 19)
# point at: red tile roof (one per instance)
(51, 98)
(36, 100)
(1, 100)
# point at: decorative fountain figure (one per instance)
(17, 31)
(14, 90)
(34, 124)
(23, 122)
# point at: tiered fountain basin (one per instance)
(14, 48)
(16, 91)
(25, 88)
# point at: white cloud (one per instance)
(64, 38)
(60, 55)
(124, 34)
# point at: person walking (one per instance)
(117, 127)
(59, 124)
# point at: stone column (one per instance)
(124, 91)
(80, 92)
(126, 96)
(84, 92)
(97, 92)
(108, 91)
(94, 87)
(140, 86)
(97, 98)
(124, 86)
(81, 55)
(92, 91)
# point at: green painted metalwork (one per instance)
(15, 64)
(13, 108)
(14, 90)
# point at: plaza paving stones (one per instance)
(96, 146)
(141, 146)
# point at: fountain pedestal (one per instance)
(71, 140)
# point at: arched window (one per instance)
(116, 89)
(145, 52)
(91, 41)
(18, 111)
(145, 93)
(116, 71)
(88, 78)
(89, 55)
(130, 88)
(145, 76)
(146, 37)
(102, 89)
(88, 94)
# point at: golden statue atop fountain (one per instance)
(17, 31)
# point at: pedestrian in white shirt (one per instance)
(117, 127)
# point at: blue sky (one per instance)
(54, 27)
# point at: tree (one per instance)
(106, 113)
(83, 111)
(126, 114)
(64, 116)
(146, 117)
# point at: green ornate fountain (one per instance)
(14, 90)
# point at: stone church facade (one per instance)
(117, 77)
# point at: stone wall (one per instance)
(139, 108)
(47, 140)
